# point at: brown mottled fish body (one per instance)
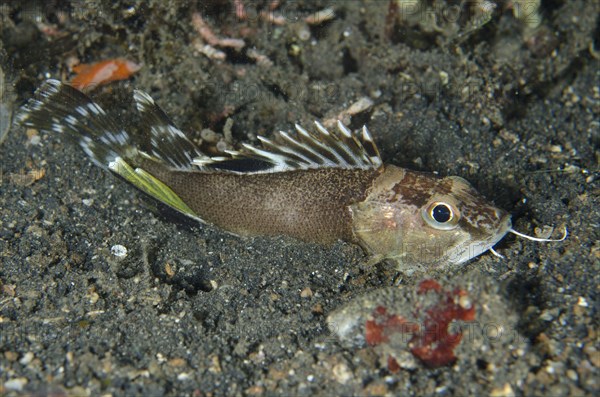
(311, 205)
(318, 186)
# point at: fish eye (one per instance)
(440, 215)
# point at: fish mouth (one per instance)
(476, 249)
(504, 226)
(501, 231)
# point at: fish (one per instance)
(89, 76)
(317, 186)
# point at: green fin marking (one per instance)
(150, 185)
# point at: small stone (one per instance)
(547, 315)
(571, 169)
(93, 297)
(35, 140)
(504, 391)
(544, 378)
(376, 389)
(75, 391)
(177, 362)
(342, 373)
(306, 293)
(183, 376)
(215, 367)
(257, 357)
(593, 354)
(26, 359)
(118, 250)
(465, 302)
(15, 384)
(444, 78)
(169, 270)
(547, 344)
(255, 390)
(155, 369)
(209, 136)
(276, 374)
(9, 290)
(405, 360)
(550, 367)
(509, 136)
(532, 265)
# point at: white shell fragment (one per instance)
(118, 250)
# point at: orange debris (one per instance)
(89, 76)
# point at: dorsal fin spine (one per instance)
(345, 131)
(303, 147)
(297, 144)
(315, 141)
(282, 148)
(306, 135)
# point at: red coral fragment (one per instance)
(435, 345)
(382, 325)
(392, 365)
(429, 285)
(431, 342)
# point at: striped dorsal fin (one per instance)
(307, 150)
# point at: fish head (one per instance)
(423, 222)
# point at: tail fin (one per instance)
(60, 108)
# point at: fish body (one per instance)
(319, 186)
(311, 205)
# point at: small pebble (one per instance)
(505, 391)
(177, 362)
(342, 373)
(215, 366)
(465, 302)
(118, 250)
(15, 384)
(35, 140)
(26, 359)
(306, 293)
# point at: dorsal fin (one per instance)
(308, 150)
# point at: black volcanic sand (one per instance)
(192, 310)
